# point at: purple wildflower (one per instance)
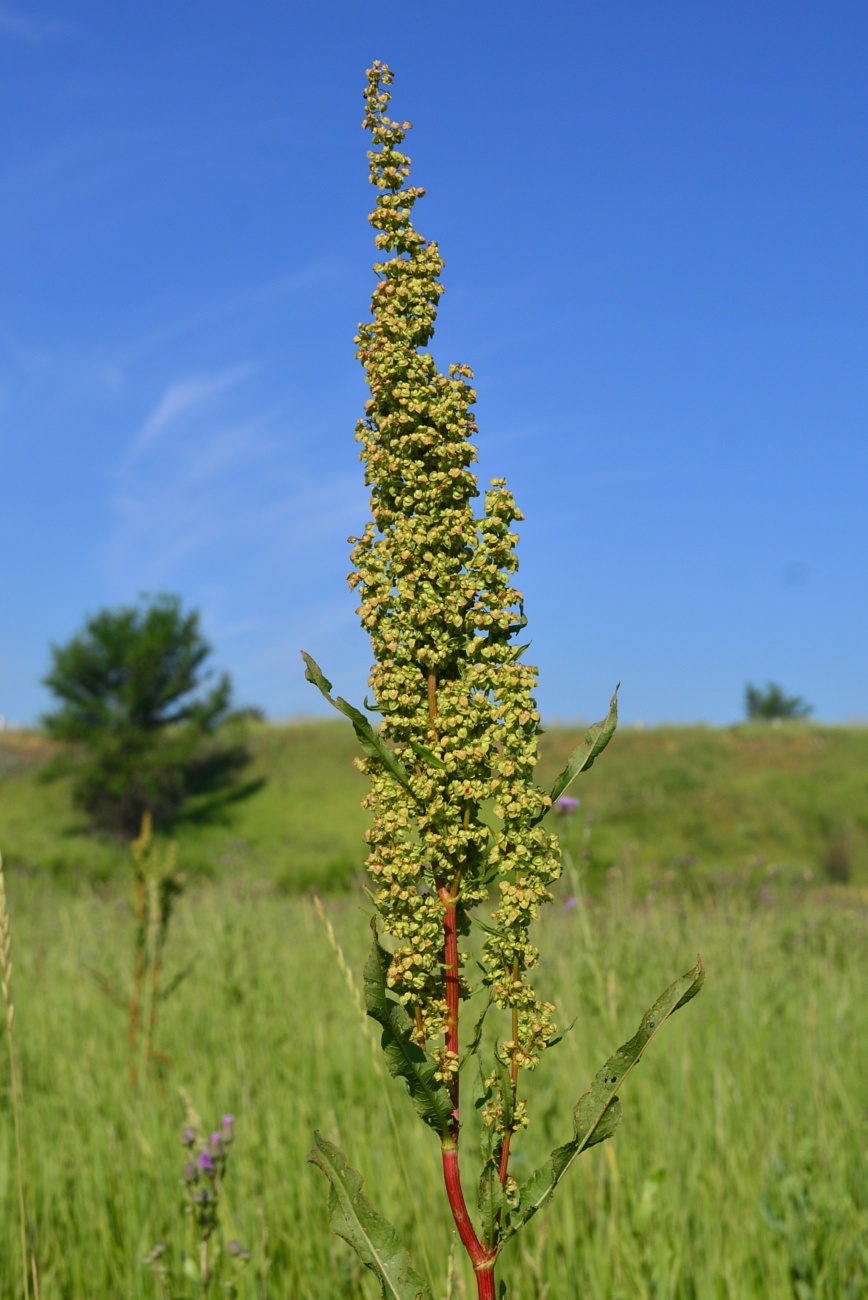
(205, 1163)
(570, 903)
(216, 1144)
(228, 1128)
(566, 805)
(188, 1137)
(191, 1173)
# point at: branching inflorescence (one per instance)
(457, 819)
(438, 601)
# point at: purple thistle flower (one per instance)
(570, 903)
(205, 1163)
(228, 1128)
(191, 1173)
(566, 805)
(188, 1137)
(216, 1144)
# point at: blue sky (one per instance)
(653, 218)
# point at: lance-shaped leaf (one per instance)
(595, 740)
(492, 1201)
(405, 1059)
(369, 740)
(476, 1038)
(598, 1113)
(428, 755)
(372, 1237)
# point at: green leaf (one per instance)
(373, 707)
(598, 1113)
(369, 740)
(372, 1237)
(473, 1046)
(492, 1201)
(428, 755)
(595, 740)
(405, 1059)
(483, 925)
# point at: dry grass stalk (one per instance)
(155, 887)
(140, 849)
(6, 978)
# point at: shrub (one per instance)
(129, 689)
(771, 703)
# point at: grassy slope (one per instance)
(670, 804)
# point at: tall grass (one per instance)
(15, 1101)
(753, 1124)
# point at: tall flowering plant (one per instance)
(458, 831)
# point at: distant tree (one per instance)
(130, 690)
(771, 703)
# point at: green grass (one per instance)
(302, 826)
(740, 1169)
(669, 805)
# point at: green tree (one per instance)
(130, 687)
(771, 703)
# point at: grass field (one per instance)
(672, 806)
(740, 1169)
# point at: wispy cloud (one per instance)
(239, 305)
(210, 473)
(23, 27)
(182, 398)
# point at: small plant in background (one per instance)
(9, 1007)
(458, 836)
(204, 1259)
(772, 705)
(156, 886)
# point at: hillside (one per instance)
(670, 806)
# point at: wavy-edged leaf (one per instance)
(598, 1113)
(594, 741)
(405, 1059)
(492, 1201)
(369, 740)
(372, 1237)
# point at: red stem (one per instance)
(450, 968)
(481, 1258)
(513, 1075)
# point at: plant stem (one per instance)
(138, 972)
(155, 947)
(513, 1075)
(481, 1258)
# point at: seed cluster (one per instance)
(436, 596)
